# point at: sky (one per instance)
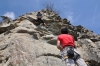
(78, 12)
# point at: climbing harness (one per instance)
(70, 53)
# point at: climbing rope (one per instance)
(44, 51)
(36, 53)
(42, 46)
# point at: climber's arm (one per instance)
(59, 45)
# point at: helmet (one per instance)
(39, 15)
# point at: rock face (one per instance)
(24, 44)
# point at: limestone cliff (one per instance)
(22, 44)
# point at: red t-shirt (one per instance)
(66, 40)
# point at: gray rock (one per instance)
(52, 41)
(36, 36)
(89, 50)
(48, 37)
(25, 45)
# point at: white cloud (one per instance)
(10, 14)
(70, 17)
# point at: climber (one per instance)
(65, 43)
(39, 21)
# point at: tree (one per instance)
(50, 8)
